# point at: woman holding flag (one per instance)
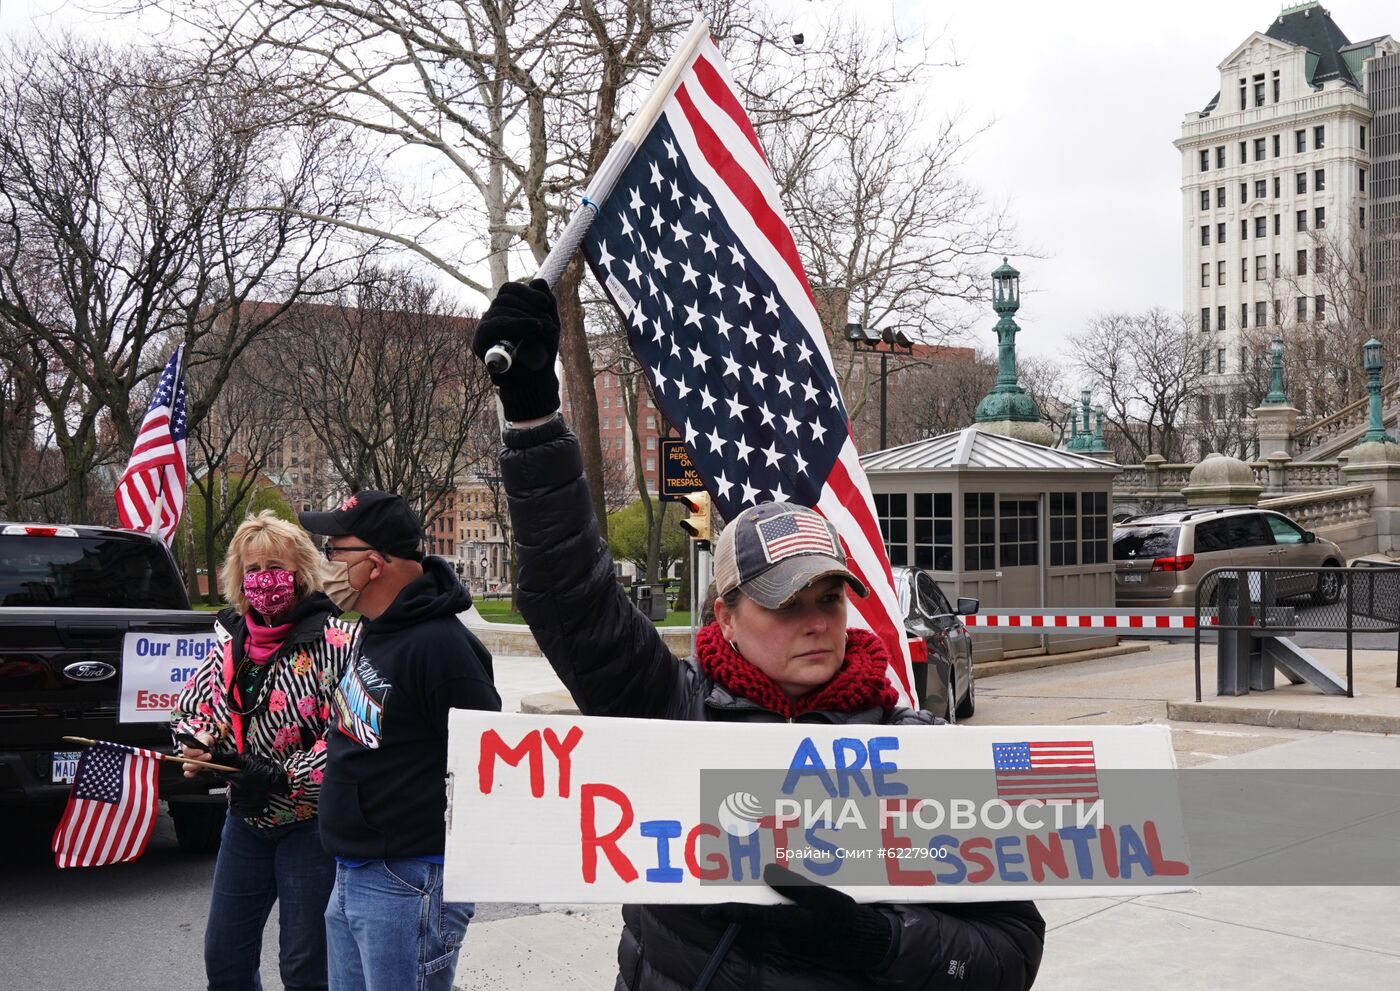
(261, 702)
(779, 650)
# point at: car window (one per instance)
(1211, 536)
(1247, 530)
(1284, 531)
(931, 596)
(1130, 542)
(87, 572)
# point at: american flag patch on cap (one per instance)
(792, 533)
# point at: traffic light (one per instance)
(697, 523)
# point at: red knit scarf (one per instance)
(860, 684)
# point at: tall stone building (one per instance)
(1383, 257)
(1274, 176)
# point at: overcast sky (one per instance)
(1086, 97)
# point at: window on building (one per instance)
(651, 443)
(1220, 361)
(1205, 360)
(1018, 532)
(1261, 313)
(1244, 90)
(1244, 193)
(1244, 229)
(1261, 226)
(1300, 141)
(1205, 310)
(1302, 265)
(651, 464)
(1302, 219)
(1278, 313)
(1319, 309)
(1244, 316)
(607, 443)
(1302, 308)
(1300, 182)
(1261, 268)
(1363, 137)
(1261, 188)
(979, 531)
(1320, 136)
(1220, 272)
(607, 402)
(1278, 224)
(651, 423)
(1319, 257)
(1220, 406)
(1363, 225)
(1259, 94)
(892, 510)
(1205, 274)
(933, 530)
(1320, 217)
(1205, 199)
(1244, 152)
(1260, 149)
(1220, 233)
(1220, 196)
(1361, 180)
(1319, 180)
(1064, 529)
(1276, 84)
(1205, 159)
(1220, 157)
(1220, 317)
(1244, 269)
(1277, 187)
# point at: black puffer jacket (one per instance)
(615, 664)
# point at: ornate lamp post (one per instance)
(1371, 361)
(1276, 396)
(1007, 404)
(882, 342)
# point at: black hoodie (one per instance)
(384, 793)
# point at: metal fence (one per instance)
(1252, 609)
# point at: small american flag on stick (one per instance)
(111, 809)
(1049, 770)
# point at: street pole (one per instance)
(884, 373)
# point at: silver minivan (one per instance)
(1160, 558)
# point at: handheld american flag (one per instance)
(111, 808)
(151, 493)
(693, 248)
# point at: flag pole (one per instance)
(174, 394)
(499, 357)
(163, 756)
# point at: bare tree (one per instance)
(386, 381)
(1144, 368)
(140, 202)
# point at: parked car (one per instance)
(1159, 559)
(943, 678)
(68, 597)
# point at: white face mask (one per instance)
(336, 582)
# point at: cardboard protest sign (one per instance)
(155, 666)
(573, 809)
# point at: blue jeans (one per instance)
(388, 929)
(256, 867)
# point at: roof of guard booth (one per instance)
(973, 448)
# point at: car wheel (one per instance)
(968, 706)
(1329, 584)
(198, 825)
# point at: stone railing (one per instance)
(1349, 419)
(1331, 507)
(1159, 483)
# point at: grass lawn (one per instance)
(498, 611)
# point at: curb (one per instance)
(1273, 716)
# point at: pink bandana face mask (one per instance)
(270, 592)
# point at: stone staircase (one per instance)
(1324, 439)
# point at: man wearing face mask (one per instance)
(383, 797)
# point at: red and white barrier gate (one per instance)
(1123, 622)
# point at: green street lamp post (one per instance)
(1276, 396)
(1007, 400)
(1372, 363)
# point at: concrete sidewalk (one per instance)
(1214, 939)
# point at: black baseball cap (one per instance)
(381, 519)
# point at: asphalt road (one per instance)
(134, 926)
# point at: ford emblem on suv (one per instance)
(89, 671)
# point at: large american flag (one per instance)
(111, 808)
(151, 493)
(694, 249)
(1050, 770)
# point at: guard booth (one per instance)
(1009, 522)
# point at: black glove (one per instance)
(256, 780)
(527, 317)
(823, 929)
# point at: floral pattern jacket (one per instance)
(291, 726)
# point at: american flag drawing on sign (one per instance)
(1050, 770)
(151, 493)
(693, 247)
(787, 535)
(111, 808)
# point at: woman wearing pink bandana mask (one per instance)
(261, 702)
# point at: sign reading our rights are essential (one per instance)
(573, 809)
(155, 667)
